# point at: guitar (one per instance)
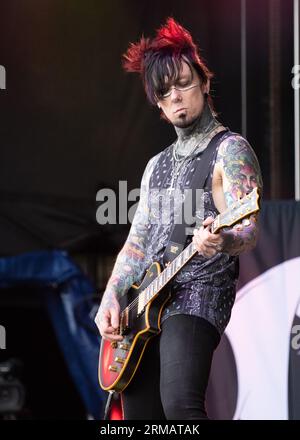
(142, 306)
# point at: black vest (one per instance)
(196, 174)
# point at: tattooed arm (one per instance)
(129, 266)
(240, 174)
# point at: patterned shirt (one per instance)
(203, 287)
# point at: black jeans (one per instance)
(171, 380)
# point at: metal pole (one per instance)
(275, 107)
(296, 100)
(243, 68)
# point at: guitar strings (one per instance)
(134, 303)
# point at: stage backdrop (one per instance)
(256, 368)
(72, 122)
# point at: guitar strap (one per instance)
(178, 234)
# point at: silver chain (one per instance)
(178, 162)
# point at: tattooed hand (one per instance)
(206, 243)
(107, 318)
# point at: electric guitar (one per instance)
(142, 306)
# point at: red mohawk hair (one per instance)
(173, 36)
(132, 59)
(160, 58)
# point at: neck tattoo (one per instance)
(190, 141)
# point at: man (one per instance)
(171, 380)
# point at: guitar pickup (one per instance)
(141, 303)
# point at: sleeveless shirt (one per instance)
(204, 287)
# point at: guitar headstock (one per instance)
(237, 211)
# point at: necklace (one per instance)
(178, 162)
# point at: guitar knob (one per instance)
(114, 344)
(119, 360)
(124, 346)
(113, 368)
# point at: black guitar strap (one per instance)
(178, 234)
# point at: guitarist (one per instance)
(171, 380)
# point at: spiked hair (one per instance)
(160, 58)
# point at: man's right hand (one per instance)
(108, 317)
